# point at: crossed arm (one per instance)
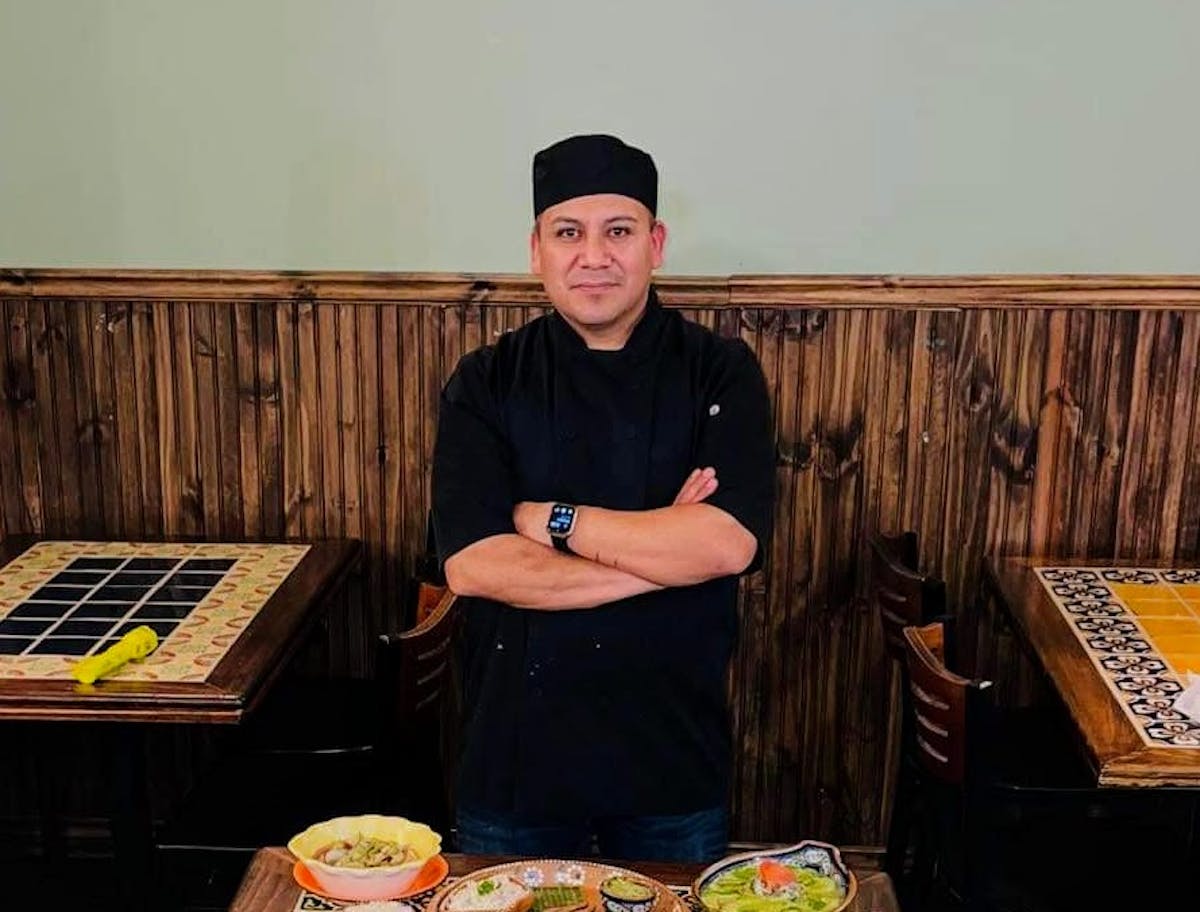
(618, 553)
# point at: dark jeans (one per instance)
(701, 836)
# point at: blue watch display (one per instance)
(561, 524)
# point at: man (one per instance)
(601, 477)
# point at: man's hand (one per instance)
(530, 517)
(697, 487)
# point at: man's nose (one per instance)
(595, 250)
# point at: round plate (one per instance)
(557, 872)
(431, 875)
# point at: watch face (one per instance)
(562, 516)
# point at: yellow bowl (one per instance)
(384, 882)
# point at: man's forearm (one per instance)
(525, 574)
(672, 546)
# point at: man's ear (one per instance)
(535, 250)
(658, 241)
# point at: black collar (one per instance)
(641, 344)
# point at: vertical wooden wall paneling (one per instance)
(986, 428)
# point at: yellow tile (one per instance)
(1170, 626)
(1161, 609)
(1153, 591)
(1184, 662)
(1188, 591)
(1176, 643)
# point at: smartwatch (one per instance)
(560, 525)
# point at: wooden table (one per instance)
(255, 656)
(268, 885)
(1119, 752)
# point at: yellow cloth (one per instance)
(137, 644)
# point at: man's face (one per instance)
(595, 255)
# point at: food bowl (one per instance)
(622, 893)
(377, 881)
(772, 879)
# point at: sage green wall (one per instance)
(832, 136)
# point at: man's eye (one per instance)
(568, 233)
(619, 231)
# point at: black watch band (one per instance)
(560, 544)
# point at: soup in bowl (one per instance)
(370, 856)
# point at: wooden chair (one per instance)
(900, 597)
(321, 749)
(995, 834)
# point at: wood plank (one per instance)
(391, 432)
(1090, 395)
(167, 443)
(20, 498)
(205, 420)
(78, 326)
(312, 509)
(371, 483)
(350, 445)
(1175, 525)
(412, 439)
(291, 430)
(270, 451)
(122, 318)
(185, 397)
(228, 422)
(248, 397)
(55, 509)
(107, 319)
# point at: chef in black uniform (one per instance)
(601, 478)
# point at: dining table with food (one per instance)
(379, 863)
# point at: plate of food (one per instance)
(368, 857)
(809, 876)
(556, 885)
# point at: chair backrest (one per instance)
(417, 663)
(902, 548)
(944, 705)
(951, 739)
(900, 595)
